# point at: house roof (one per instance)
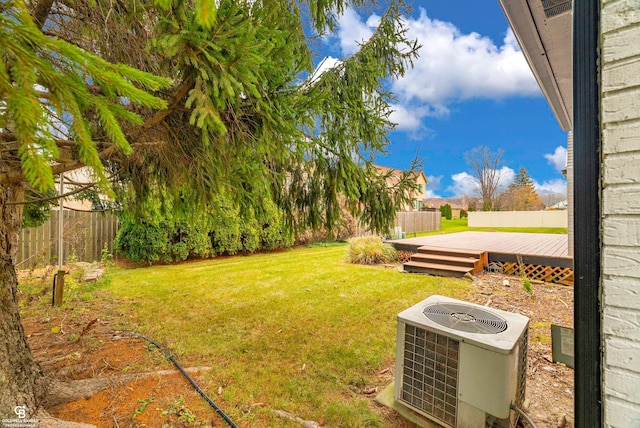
(543, 30)
(438, 202)
(397, 173)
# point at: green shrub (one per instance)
(250, 238)
(446, 212)
(370, 250)
(164, 236)
(141, 241)
(224, 230)
(196, 239)
(273, 231)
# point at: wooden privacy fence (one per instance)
(418, 221)
(85, 234)
(412, 222)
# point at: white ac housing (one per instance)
(461, 364)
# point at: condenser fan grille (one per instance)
(467, 318)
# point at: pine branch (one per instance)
(12, 142)
(82, 188)
(171, 106)
(57, 197)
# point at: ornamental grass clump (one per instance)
(370, 250)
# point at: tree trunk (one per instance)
(21, 380)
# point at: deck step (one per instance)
(446, 261)
(450, 251)
(435, 269)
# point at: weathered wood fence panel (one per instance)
(412, 222)
(418, 221)
(85, 234)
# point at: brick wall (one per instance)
(620, 36)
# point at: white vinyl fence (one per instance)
(550, 218)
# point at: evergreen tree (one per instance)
(191, 100)
(446, 212)
(522, 178)
(521, 194)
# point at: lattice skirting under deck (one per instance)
(554, 274)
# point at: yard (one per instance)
(294, 334)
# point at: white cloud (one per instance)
(506, 177)
(409, 116)
(434, 183)
(409, 119)
(452, 66)
(463, 184)
(466, 184)
(352, 31)
(406, 119)
(558, 158)
(557, 185)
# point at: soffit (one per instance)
(546, 43)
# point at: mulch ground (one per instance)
(550, 385)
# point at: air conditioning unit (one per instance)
(461, 364)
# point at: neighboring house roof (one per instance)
(562, 205)
(438, 202)
(543, 30)
(397, 173)
(416, 195)
(457, 203)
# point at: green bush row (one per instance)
(158, 236)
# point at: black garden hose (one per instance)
(167, 354)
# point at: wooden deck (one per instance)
(534, 248)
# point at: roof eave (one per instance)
(520, 18)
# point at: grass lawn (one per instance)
(299, 330)
(460, 225)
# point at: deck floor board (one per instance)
(535, 244)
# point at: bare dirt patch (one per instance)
(84, 341)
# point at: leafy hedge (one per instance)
(157, 236)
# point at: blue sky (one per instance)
(470, 87)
